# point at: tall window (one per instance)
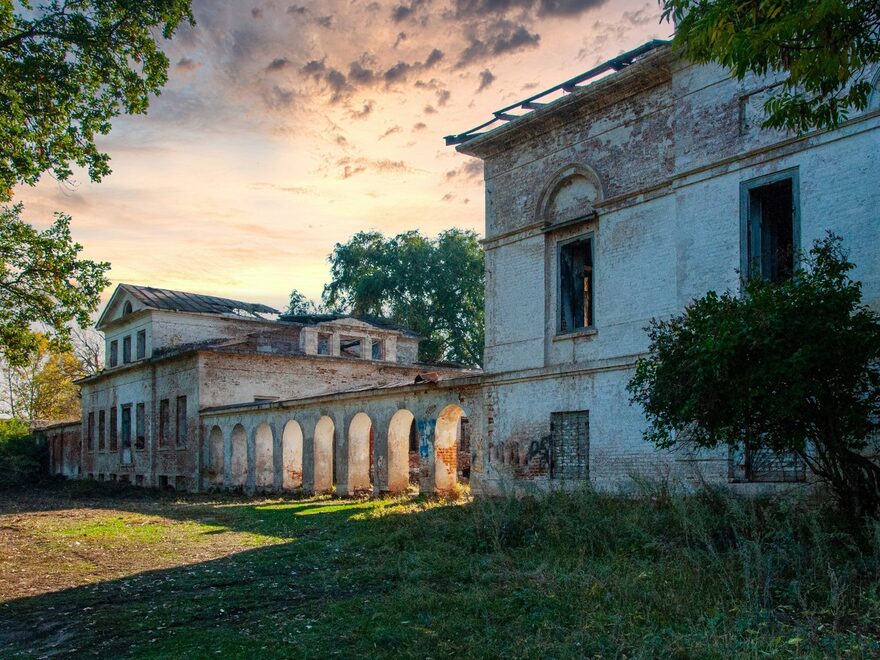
(770, 225)
(377, 349)
(181, 421)
(126, 427)
(140, 440)
(164, 421)
(141, 344)
(126, 349)
(114, 353)
(575, 285)
(102, 444)
(90, 432)
(114, 435)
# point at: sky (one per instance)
(288, 126)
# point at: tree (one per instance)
(67, 67)
(787, 367)
(435, 287)
(43, 281)
(300, 305)
(824, 49)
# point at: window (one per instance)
(570, 445)
(764, 465)
(113, 430)
(575, 285)
(140, 440)
(377, 349)
(141, 344)
(126, 427)
(102, 443)
(164, 421)
(413, 437)
(126, 349)
(90, 431)
(181, 421)
(350, 347)
(770, 226)
(114, 353)
(126, 308)
(323, 344)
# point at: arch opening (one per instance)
(325, 441)
(403, 446)
(238, 461)
(215, 456)
(360, 453)
(264, 465)
(451, 436)
(292, 456)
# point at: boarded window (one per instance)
(126, 427)
(90, 431)
(770, 229)
(764, 466)
(114, 438)
(181, 421)
(114, 353)
(570, 445)
(102, 424)
(141, 344)
(126, 349)
(140, 439)
(164, 422)
(575, 285)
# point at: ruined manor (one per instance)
(612, 198)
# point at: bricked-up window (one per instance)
(114, 353)
(126, 427)
(140, 439)
(770, 224)
(164, 422)
(570, 445)
(90, 431)
(114, 437)
(141, 344)
(126, 349)
(102, 439)
(575, 285)
(181, 421)
(764, 465)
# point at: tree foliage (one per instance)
(67, 67)
(300, 304)
(825, 50)
(792, 366)
(43, 280)
(432, 286)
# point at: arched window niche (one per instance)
(126, 308)
(570, 197)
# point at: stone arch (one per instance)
(292, 456)
(446, 436)
(360, 453)
(215, 455)
(264, 464)
(572, 193)
(324, 443)
(400, 430)
(238, 456)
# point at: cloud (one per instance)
(295, 190)
(448, 197)
(479, 8)
(567, 7)
(391, 131)
(500, 37)
(360, 75)
(186, 64)
(277, 64)
(471, 170)
(324, 21)
(364, 112)
(430, 109)
(354, 166)
(642, 16)
(401, 37)
(486, 80)
(433, 58)
(443, 96)
(256, 12)
(421, 126)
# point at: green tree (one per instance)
(43, 281)
(301, 304)
(824, 50)
(67, 67)
(787, 367)
(435, 287)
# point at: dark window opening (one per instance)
(140, 439)
(164, 421)
(770, 231)
(746, 465)
(126, 427)
(350, 347)
(114, 353)
(102, 439)
(323, 344)
(126, 349)
(377, 349)
(141, 344)
(181, 421)
(90, 430)
(570, 445)
(413, 437)
(576, 285)
(114, 445)
(126, 308)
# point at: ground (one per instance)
(111, 571)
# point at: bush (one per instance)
(22, 457)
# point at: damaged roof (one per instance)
(378, 321)
(182, 301)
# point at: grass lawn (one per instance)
(98, 570)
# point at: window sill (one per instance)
(580, 332)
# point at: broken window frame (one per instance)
(102, 436)
(164, 422)
(114, 353)
(181, 422)
(126, 349)
(749, 465)
(141, 349)
(114, 437)
(589, 291)
(90, 432)
(140, 423)
(752, 257)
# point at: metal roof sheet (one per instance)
(183, 301)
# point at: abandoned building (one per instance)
(613, 198)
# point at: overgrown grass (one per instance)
(569, 575)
